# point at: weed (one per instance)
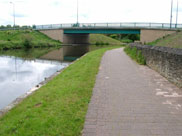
(27, 41)
(135, 55)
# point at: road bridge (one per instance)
(75, 34)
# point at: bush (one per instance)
(9, 32)
(126, 41)
(114, 36)
(27, 41)
(27, 31)
(101, 43)
(106, 43)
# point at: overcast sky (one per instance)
(29, 12)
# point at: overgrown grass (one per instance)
(13, 39)
(27, 53)
(154, 42)
(59, 107)
(135, 55)
(100, 38)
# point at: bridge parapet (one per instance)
(111, 25)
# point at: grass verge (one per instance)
(59, 107)
(135, 55)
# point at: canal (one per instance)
(20, 74)
(17, 76)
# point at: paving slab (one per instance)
(132, 100)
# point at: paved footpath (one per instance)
(132, 100)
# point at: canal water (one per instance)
(17, 76)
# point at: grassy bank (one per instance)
(172, 41)
(13, 39)
(135, 55)
(101, 39)
(27, 54)
(59, 107)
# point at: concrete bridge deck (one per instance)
(132, 100)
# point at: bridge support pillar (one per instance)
(75, 44)
(149, 35)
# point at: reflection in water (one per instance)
(17, 76)
(68, 51)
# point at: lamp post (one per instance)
(171, 13)
(77, 12)
(177, 14)
(13, 12)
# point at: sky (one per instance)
(41, 12)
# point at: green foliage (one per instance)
(178, 30)
(134, 37)
(27, 41)
(59, 107)
(124, 37)
(2, 27)
(135, 54)
(154, 42)
(16, 26)
(76, 25)
(34, 26)
(31, 53)
(126, 41)
(101, 43)
(114, 36)
(8, 26)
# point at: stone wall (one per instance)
(167, 61)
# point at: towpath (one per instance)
(132, 100)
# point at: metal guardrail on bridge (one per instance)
(111, 25)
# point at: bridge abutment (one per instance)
(149, 35)
(56, 34)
